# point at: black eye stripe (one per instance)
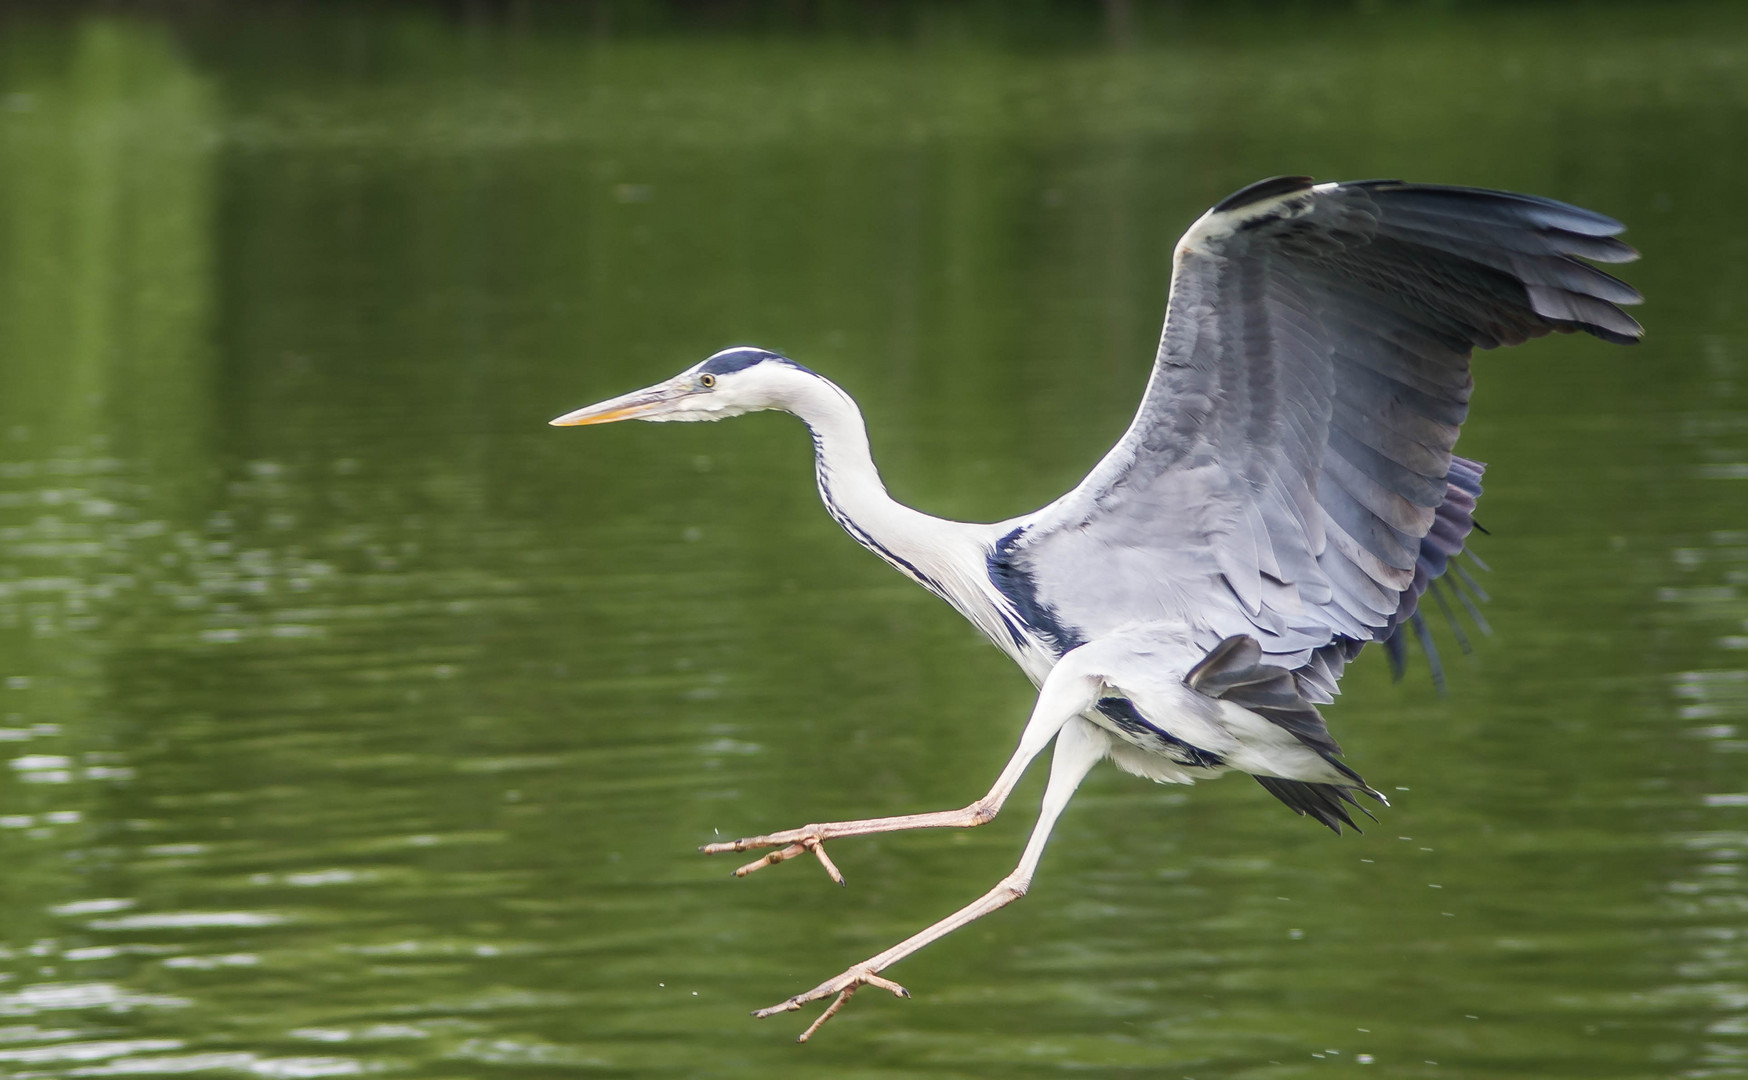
(738, 359)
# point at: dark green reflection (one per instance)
(356, 720)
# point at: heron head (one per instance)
(734, 381)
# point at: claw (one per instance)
(788, 845)
(885, 984)
(818, 849)
(844, 986)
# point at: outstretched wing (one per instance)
(1292, 454)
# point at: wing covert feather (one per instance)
(1287, 474)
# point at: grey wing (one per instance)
(1289, 475)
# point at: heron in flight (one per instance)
(1284, 497)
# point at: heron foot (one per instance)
(788, 844)
(844, 986)
(792, 842)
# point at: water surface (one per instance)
(355, 721)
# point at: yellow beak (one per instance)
(651, 399)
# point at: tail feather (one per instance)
(1326, 803)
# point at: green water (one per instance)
(359, 722)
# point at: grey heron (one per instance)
(1285, 496)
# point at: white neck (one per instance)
(944, 556)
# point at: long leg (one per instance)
(1078, 748)
(1067, 690)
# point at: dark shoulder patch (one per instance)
(1014, 582)
(1271, 188)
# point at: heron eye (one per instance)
(707, 381)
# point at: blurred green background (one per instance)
(356, 721)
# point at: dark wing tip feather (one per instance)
(1539, 209)
(1533, 241)
(1608, 249)
(1612, 336)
